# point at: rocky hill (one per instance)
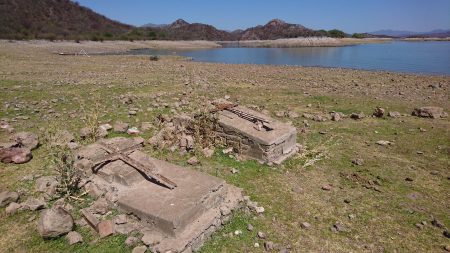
(65, 19)
(54, 19)
(277, 29)
(182, 30)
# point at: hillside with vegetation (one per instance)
(67, 20)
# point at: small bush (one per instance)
(358, 36)
(336, 33)
(154, 58)
(61, 160)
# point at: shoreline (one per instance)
(116, 48)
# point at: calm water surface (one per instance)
(415, 57)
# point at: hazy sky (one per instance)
(348, 15)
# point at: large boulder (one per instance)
(15, 155)
(7, 197)
(430, 112)
(26, 139)
(55, 222)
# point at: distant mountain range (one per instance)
(439, 33)
(66, 19)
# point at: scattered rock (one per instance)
(383, 143)
(357, 116)
(126, 228)
(55, 222)
(280, 113)
(100, 206)
(15, 155)
(227, 150)
(34, 204)
(430, 112)
(292, 114)
(139, 249)
(305, 225)
(327, 187)
(335, 116)
(358, 161)
(7, 197)
(105, 228)
(208, 152)
(193, 161)
(378, 112)
(437, 223)
(339, 227)
(73, 237)
(234, 171)
(46, 185)
(120, 219)
(85, 132)
(268, 246)
(26, 139)
(133, 131)
(101, 132)
(261, 235)
(151, 238)
(238, 232)
(259, 209)
(394, 114)
(12, 208)
(250, 227)
(145, 126)
(120, 127)
(256, 245)
(446, 233)
(131, 241)
(90, 219)
(106, 126)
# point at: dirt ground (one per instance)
(387, 204)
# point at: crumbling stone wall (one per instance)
(250, 148)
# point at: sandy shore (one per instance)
(426, 39)
(304, 42)
(70, 47)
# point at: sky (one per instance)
(348, 15)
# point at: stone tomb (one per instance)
(255, 135)
(183, 207)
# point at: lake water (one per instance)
(399, 56)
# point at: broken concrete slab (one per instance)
(255, 135)
(183, 216)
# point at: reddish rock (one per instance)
(15, 155)
(105, 228)
(430, 112)
(26, 139)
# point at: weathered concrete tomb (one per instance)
(255, 135)
(180, 206)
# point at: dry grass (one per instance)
(384, 216)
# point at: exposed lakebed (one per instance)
(431, 57)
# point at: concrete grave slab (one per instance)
(255, 135)
(184, 216)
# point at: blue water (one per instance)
(399, 56)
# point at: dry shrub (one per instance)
(91, 120)
(204, 127)
(60, 159)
